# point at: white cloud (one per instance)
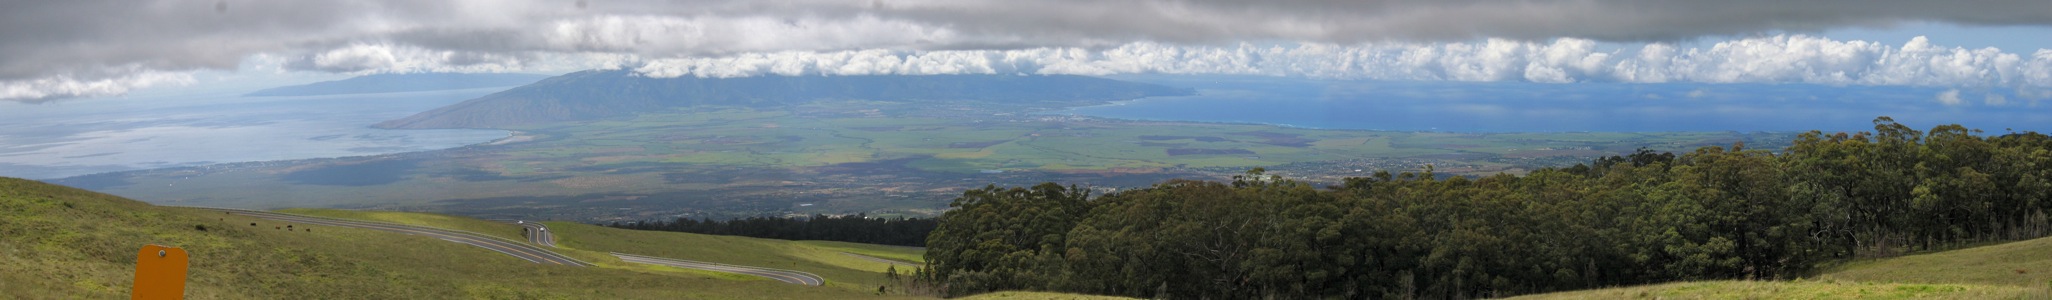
(66, 41)
(66, 86)
(1769, 59)
(389, 58)
(666, 35)
(1773, 59)
(1996, 100)
(1950, 97)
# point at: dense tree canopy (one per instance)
(1714, 213)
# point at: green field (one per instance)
(2015, 270)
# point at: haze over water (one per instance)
(1540, 107)
(78, 137)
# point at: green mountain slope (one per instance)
(61, 242)
(599, 94)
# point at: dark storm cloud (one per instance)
(87, 42)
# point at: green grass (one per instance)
(490, 228)
(901, 253)
(1801, 290)
(62, 243)
(2015, 270)
(820, 258)
(496, 229)
(2021, 263)
(1037, 296)
(592, 244)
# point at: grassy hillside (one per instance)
(820, 258)
(592, 243)
(2022, 263)
(1037, 296)
(2016, 270)
(825, 258)
(1800, 290)
(60, 242)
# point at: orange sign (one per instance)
(159, 273)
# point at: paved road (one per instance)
(788, 276)
(536, 232)
(516, 249)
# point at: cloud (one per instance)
(56, 87)
(1771, 59)
(112, 41)
(1950, 97)
(404, 59)
(1996, 100)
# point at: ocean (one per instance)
(70, 137)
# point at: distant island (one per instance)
(392, 83)
(599, 94)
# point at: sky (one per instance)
(1975, 50)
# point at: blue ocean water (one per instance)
(1597, 107)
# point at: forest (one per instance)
(1713, 213)
(856, 228)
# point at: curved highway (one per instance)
(788, 276)
(516, 249)
(536, 232)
